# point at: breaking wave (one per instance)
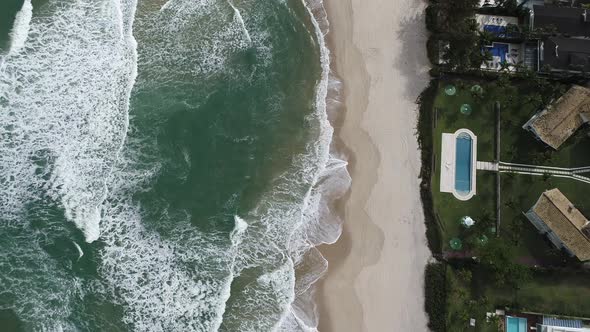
(81, 132)
(64, 92)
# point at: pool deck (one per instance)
(448, 160)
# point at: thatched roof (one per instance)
(566, 115)
(567, 222)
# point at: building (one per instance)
(556, 324)
(565, 226)
(507, 50)
(498, 26)
(568, 21)
(529, 321)
(561, 119)
(565, 54)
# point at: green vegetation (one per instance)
(463, 303)
(447, 119)
(436, 296)
(519, 100)
(501, 276)
(425, 140)
(519, 193)
(556, 292)
(506, 271)
(454, 31)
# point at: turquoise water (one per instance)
(514, 324)
(164, 165)
(463, 163)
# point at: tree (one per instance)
(497, 258)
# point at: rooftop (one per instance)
(564, 53)
(567, 222)
(566, 20)
(561, 119)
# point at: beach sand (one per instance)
(376, 269)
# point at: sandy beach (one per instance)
(375, 276)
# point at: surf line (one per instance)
(240, 20)
(21, 27)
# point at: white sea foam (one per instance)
(64, 94)
(319, 223)
(238, 16)
(80, 252)
(181, 281)
(277, 254)
(20, 30)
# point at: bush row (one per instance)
(425, 141)
(435, 294)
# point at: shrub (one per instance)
(435, 296)
(424, 132)
(432, 50)
(432, 18)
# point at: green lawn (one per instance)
(559, 293)
(519, 192)
(463, 304)
(449, 119)
(520, 146)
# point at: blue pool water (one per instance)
(515, 324)
(463, 164)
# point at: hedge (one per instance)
(435, 296)
(425, 141)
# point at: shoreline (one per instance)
(376, 268)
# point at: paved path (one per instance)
(487, 166)
(503, 167)
(571, 173)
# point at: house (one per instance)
(565, 226)
(557, 324)
(530, 321)
(498, 26)
(568, 21)
(562, 118)
(507, 49)
(565, 54)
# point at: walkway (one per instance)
(487, 166)
(570, 173)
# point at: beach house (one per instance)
(563, 224)
(555, 124)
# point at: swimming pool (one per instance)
(458, 164)
(515, 324)
(463, 164)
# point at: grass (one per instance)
(448, 119)
(519, 192)
(557, 293)
(549, 292)
(463, 304)
(519, 146)
(560, 293)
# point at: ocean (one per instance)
(165, 165)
